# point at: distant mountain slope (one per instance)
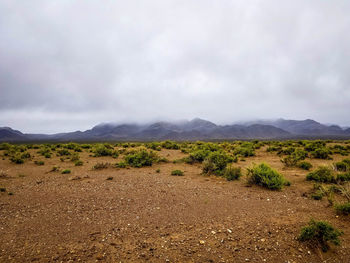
(8, 134)
(196, 129)
(304, 127)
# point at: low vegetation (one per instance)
(263, 175)
(320, 234)
(177, 173)
(140, 158)
(343, 208)
(322, 174)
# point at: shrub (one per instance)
(66, 171)
(321, 153)
(177, 173)
(319, 233)
(17, 159)
(140, 158)
(109, 178)
(311, 146)
(318, 195)
(104, 150)
(232, 173)
(120, 165)
(263, 175)
(39, 162)
(55, 169)
(154, 146)
(345, 177)
(216, 162)
(63, 152)
(170, 145)
(343, 208)
(75, 157)
(322, 174)
(25, 155)
(197, 156)
(158, 171)
(44, 151)
(245, 150)
(304, 165)
(286, 151)
(289, 161)
(100, 166)
(5, 146)
(273, 148)
(78, 163)
(343, 166)
(2, 189)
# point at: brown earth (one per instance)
(141, 215)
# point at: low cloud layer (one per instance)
(68, 65)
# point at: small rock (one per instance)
(72, 178)
(201, 242)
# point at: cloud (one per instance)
(68, 65)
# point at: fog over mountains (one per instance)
(196, 129)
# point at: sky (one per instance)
(69, 65)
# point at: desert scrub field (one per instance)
(234, 201)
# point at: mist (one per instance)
(69, 65)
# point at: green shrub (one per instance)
(345, 177)
(17, 159)
(170, 145)
(74, 157)
(343, 208)
(263, 175)
(63, 152)
(39, 162)
(5, 146)
(321, 153)
(294, 157)
(66, 171)
(154, 146)
(245, 150)
(104, 150)
(2, 189)
(286, 151)
(25, 155)
(273, 149)
(158, 171)
(44, 151)
(232, 173)
(216, 162)
(289, 161)
(121, 165)
(319, 233)
(197, 156)
(318, 195)
(343, 166)
(140, 158)
(78, 163)
(55, 169)
(322, 174)
(304, 165)
(311, 146)
(177, 173)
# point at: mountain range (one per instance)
(196, 129)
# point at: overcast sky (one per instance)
(68, 65)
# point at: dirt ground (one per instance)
(141, 215)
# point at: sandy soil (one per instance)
(142, 215)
